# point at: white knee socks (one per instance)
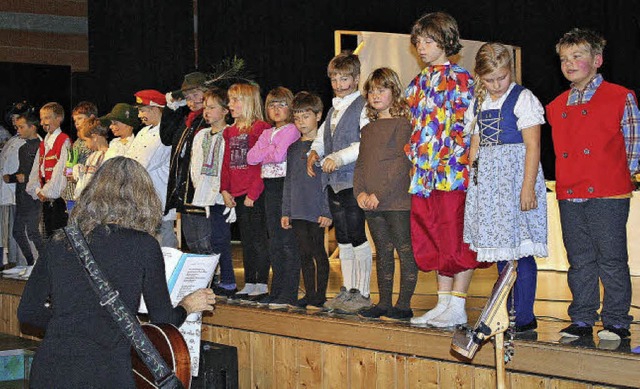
(363, 268)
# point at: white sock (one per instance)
(363, 268)
(259, 289)
(248, 288)
(441, 306)
(347, 265)
(455, 314)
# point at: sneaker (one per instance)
(532, 325)
(399, 313)
(330, 304)
(374, 312)
(354, 302)
(280, 305)
(613, 333)
(244, 293)
(14, 270)
(577, 330)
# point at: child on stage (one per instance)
(595, 131)
(439, 153)
(305, 207)
(270, 152)
(336, 150)
(379, 184)
(506, 207)
(241, 187)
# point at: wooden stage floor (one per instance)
(552, 300)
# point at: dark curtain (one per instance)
(289, 42)
(134, 45)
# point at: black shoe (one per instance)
(373, 312)
(256, 297)
(223, 292)
(532, 325)
(302, 303)
(264, 300)
(399, 313)
(577, 330)
(613, 333)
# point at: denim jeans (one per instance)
(348, 217)
(253, 232)
(595, 237)
(221, 243)
(283, 247)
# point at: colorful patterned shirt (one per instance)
(439, 149)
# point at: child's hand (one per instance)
(248, 202)
(284, 222)
(229, 201)
(362, 200)
(19, 177)
(372, 201)
(528, 199)
(329, 165)
(324, 222)
(5, 178)
(311, 161)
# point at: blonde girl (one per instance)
(505, 213)
(241, 186)
(379, 185)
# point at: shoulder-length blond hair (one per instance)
(386, 78)
(251, 104)
(490, 57)
(120, 193)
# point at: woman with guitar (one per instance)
(118, 213)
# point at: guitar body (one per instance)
(172, 347)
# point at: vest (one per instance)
(347, 132)
(51, 158)
(500, 126)
(591, 157)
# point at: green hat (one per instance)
(191, 81)
(123, 113)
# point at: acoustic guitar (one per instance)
(172, 347)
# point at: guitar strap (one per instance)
(163, 376)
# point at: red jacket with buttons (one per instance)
(591, 157)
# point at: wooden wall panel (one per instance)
(285, 362)
(455, 376)
(334, 366)
(261, 361)
(386, 371)
(486, 378)
(310, 364)
(43, 40)
(422, 373)
(528, 381)
(242, 341)
(564, 384)
(362, 368)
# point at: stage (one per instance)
(312, 349)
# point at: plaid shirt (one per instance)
(629, 125)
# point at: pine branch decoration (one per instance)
(228, 71)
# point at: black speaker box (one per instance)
(218, 367)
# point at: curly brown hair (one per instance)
(120, 193)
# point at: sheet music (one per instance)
(185, 274)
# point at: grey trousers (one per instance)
(595, 237)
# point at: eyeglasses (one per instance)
(277, 104)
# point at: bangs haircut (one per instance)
(280, 95)
(252, 110)
(220, 95)
(85, 108)
(345, 63)
(305, 101)
(54, 107)
(582, 36)
(386, 78)
(442, 28)
(120, 186)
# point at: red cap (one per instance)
(150, 97)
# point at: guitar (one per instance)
(172, 347)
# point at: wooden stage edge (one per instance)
(279, 349)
